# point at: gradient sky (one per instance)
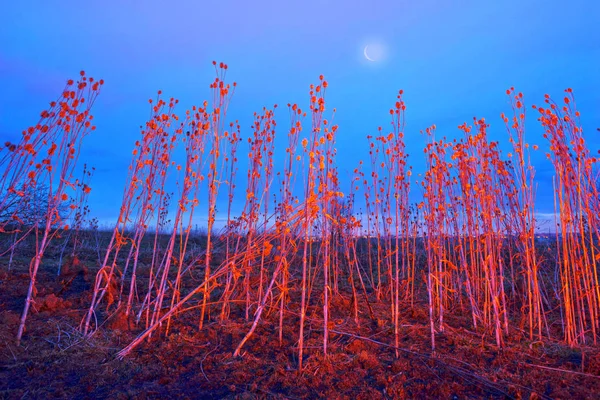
(454, 60)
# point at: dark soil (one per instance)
(55, 361)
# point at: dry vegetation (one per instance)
(302, 294)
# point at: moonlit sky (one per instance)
(454, 60)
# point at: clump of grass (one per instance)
(302, 242)
(46, 156)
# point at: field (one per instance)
(318, 287)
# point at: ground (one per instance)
(55, 361)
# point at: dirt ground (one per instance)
(55, 361)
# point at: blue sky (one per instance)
(454, 60)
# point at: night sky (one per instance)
(454, 60)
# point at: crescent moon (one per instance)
(367, 55)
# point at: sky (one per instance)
(453, 59)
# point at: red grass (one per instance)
(298, 245)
